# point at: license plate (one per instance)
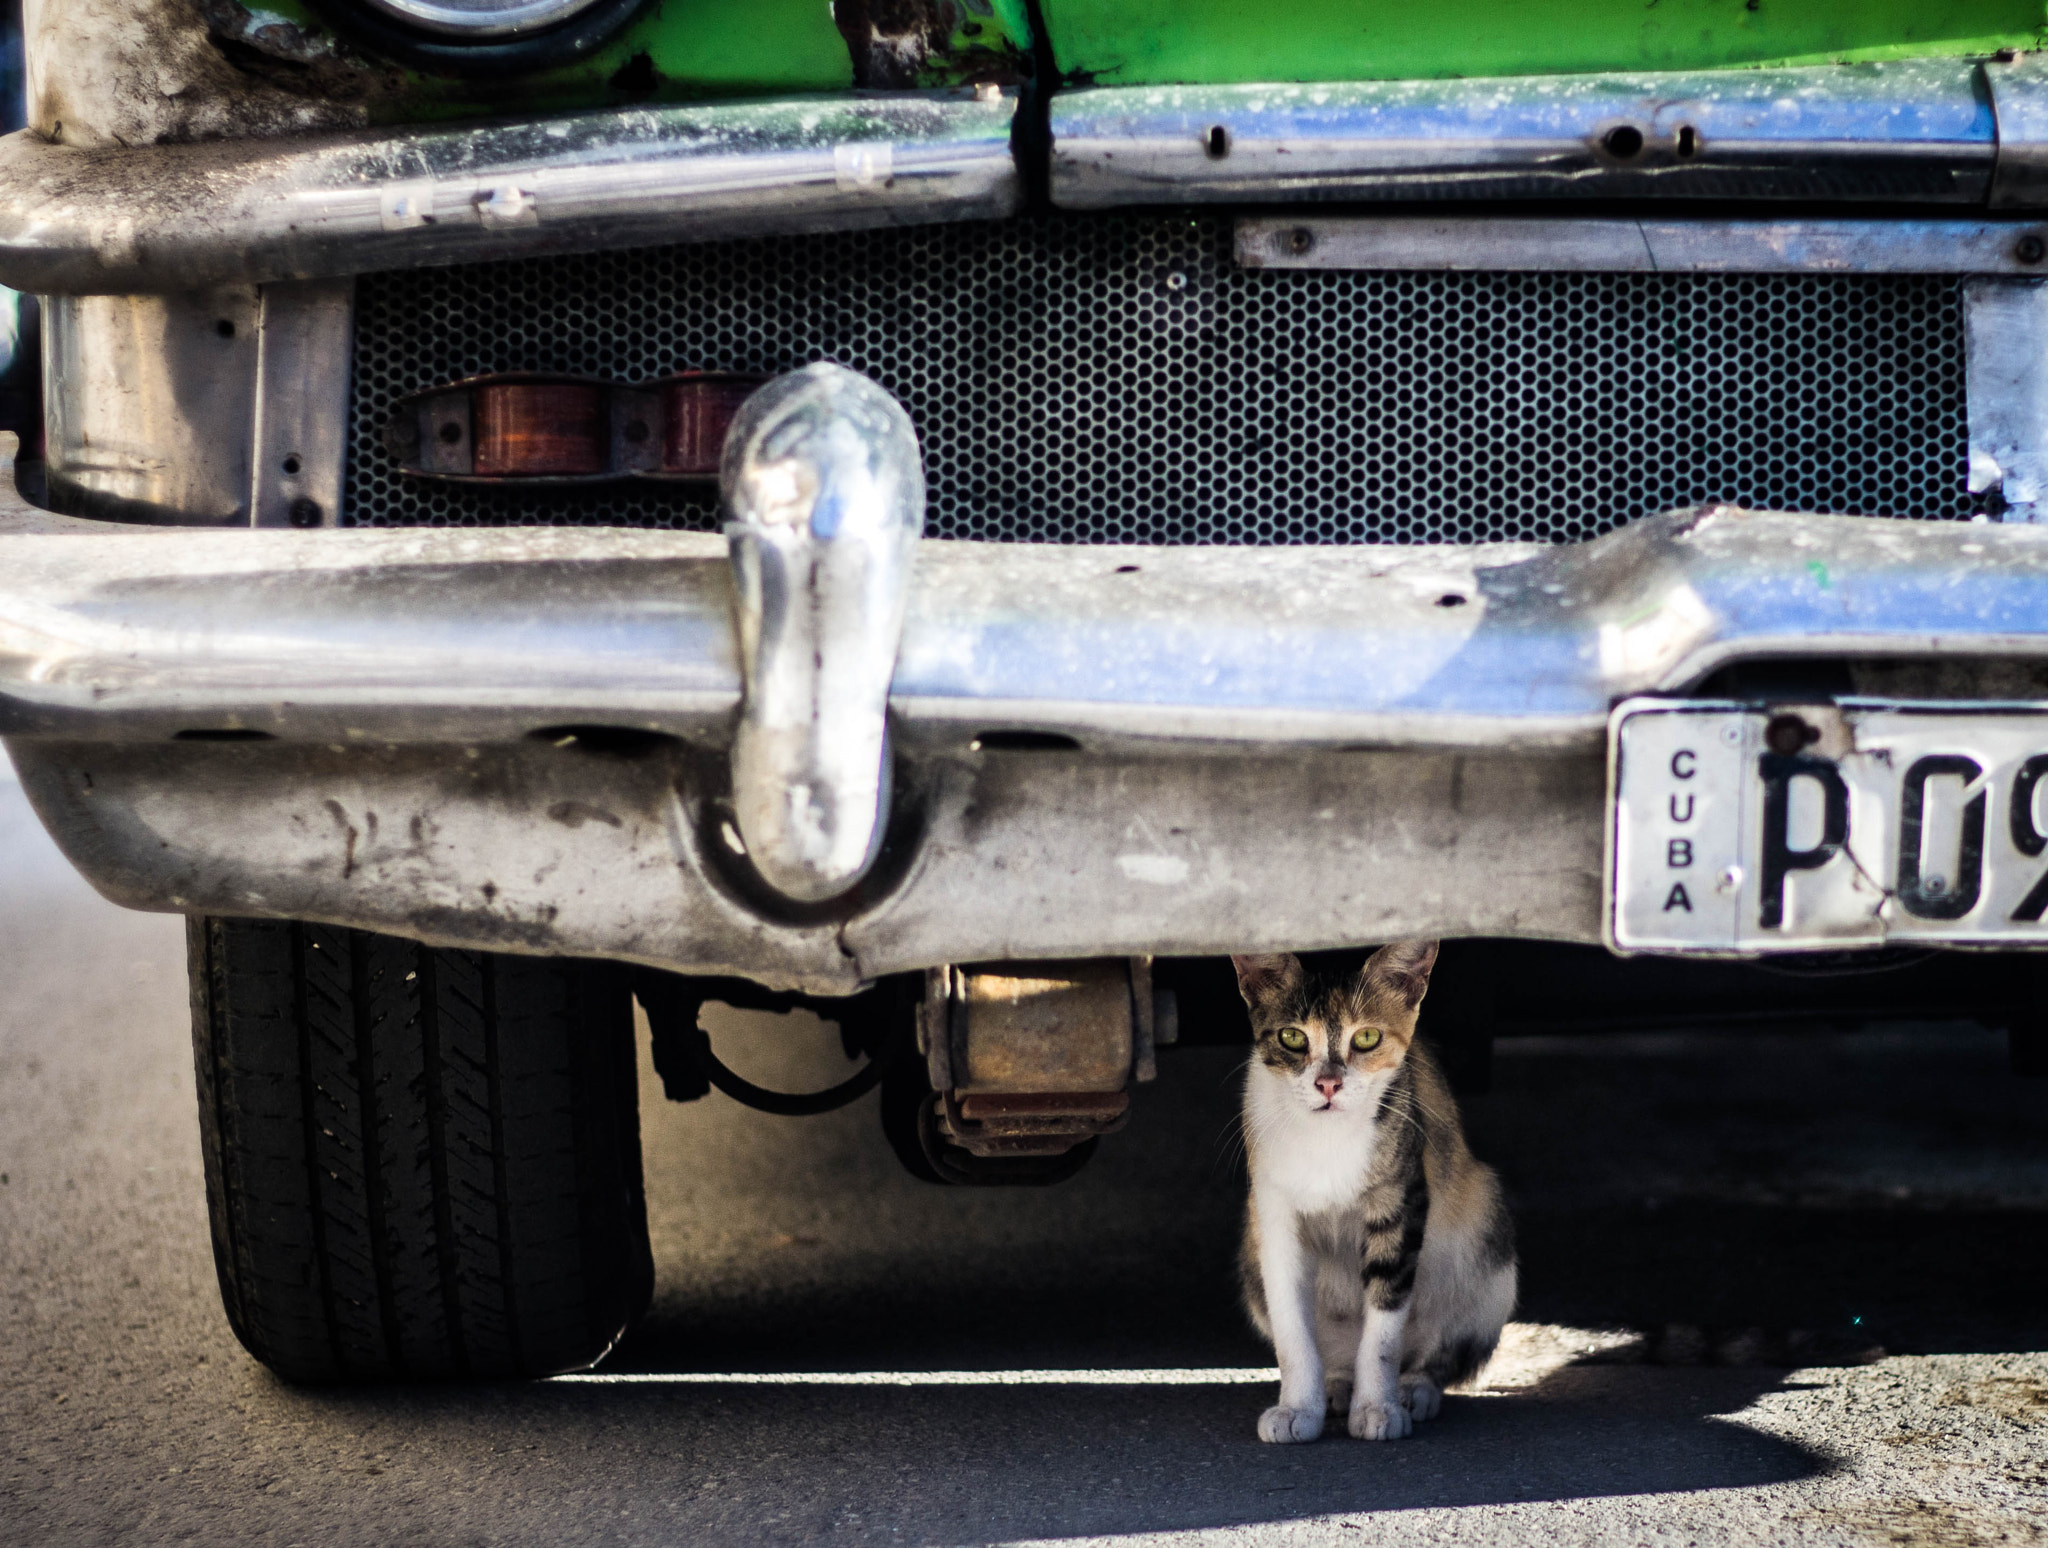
(1803, 827)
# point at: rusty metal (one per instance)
(1043, 1027)
(1043, 1106)
(1045, 1124)
(1031, 1059)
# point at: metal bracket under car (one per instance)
(1029, 1061)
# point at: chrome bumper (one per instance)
(519, 739)
(1936, 133)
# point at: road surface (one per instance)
(1719, 1236)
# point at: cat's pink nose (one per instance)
(1329, 1085)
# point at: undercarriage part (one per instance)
(1046, 1123)
(876, 1023)
(911, 1123)
(1030, 1060)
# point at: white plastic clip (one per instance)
(406, 205)
(862, 168)
(507, 206)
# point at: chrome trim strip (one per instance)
(1913, 131)
(2005, 343)
(2019, 101)
(181, 217)
(1497, 244)
(304, 348)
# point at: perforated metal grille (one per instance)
(1121, 380)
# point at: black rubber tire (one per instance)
(419, 1163)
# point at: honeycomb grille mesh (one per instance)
(1121, 380)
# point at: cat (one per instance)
(1377, 1247)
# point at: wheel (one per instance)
(419, 1163)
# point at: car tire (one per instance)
(419, 1163)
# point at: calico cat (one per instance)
(1376, 1246)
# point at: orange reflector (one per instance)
(531, 429)
(700, 411)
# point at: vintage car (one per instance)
(959, 515)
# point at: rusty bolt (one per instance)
(1788, 734)
(2030, 249)
(304, 513)
(1300, 240)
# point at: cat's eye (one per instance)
(1366, 1039)
(1293, 1039)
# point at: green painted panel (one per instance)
(1142, 42)
(685, 50)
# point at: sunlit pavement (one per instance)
(841, 1354)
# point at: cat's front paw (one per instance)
(1285, 1426)
(1378, 1421)
(1421, 1396)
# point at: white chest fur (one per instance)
(1302, 1161)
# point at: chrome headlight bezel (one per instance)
(480, 19)
(480, 37)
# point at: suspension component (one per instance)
(1033, 1059)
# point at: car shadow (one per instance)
(731, 1462)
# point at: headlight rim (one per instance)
(458, 24)
(375, 27)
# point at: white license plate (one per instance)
(1736, 829)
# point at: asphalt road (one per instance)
(1718, 1235)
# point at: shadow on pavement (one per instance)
(962, 1464)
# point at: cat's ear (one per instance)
(1402, 967)
(1261, 978)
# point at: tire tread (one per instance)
(420, 1163)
